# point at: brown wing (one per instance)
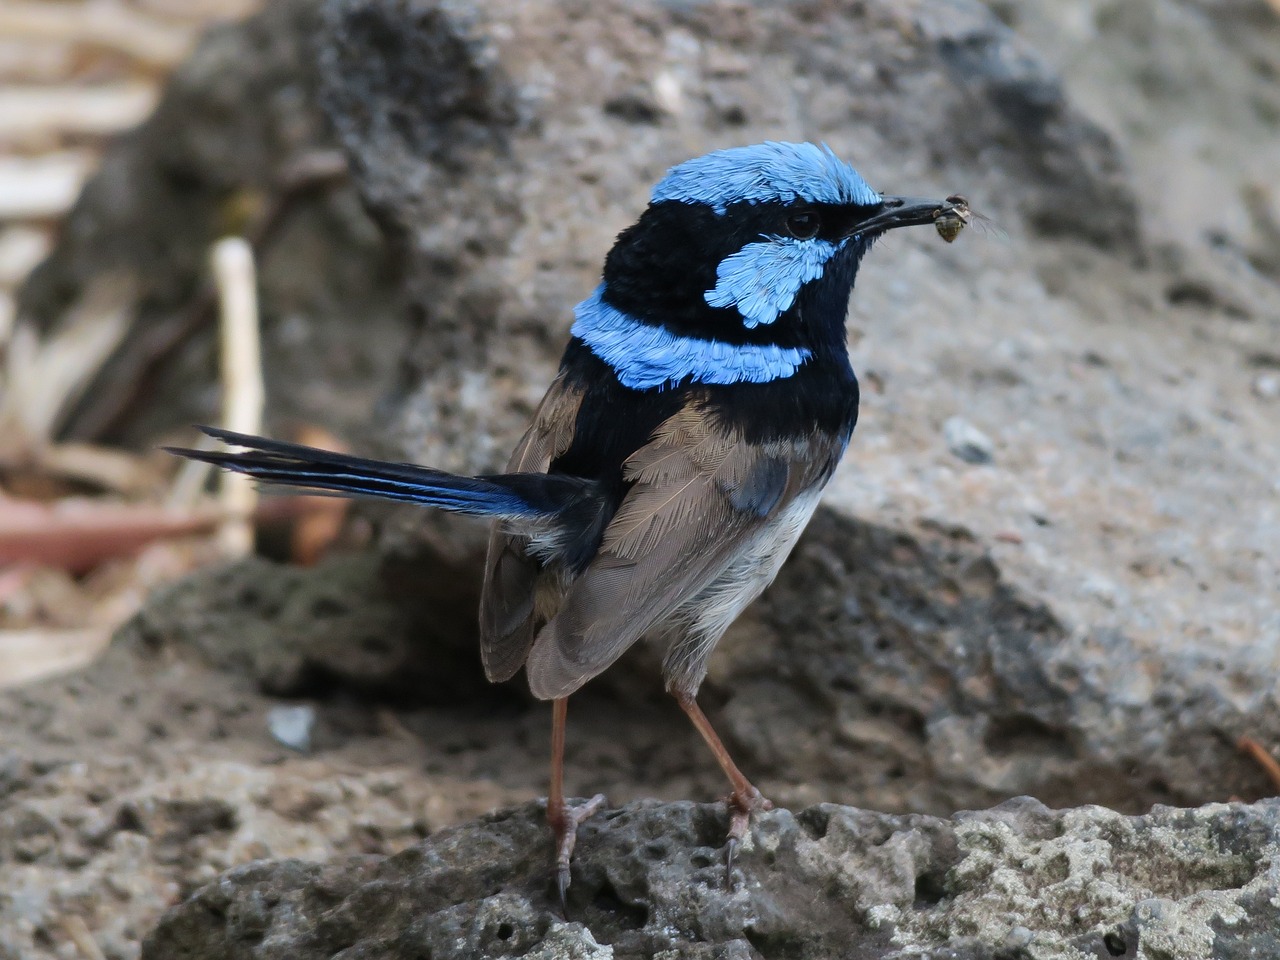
(698, 495)
(511, 575)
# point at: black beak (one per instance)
(903, 212)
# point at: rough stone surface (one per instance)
(377, 628)
(1089, 584)
(1091, 617)
(1017, 881)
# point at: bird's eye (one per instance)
(804, 225)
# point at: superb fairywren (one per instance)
(702, 404)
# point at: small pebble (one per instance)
(967, 442)
(1267, 386)
(291, 726)
(1018, 938)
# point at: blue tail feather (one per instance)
(291, 464)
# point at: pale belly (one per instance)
(701, 621)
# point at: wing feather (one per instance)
(684, 520)
(508, 598)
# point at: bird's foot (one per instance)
(564, 826)
(742, 804)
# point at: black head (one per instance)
(741, 267)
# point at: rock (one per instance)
(114, 841)
(292, 726)
(967, 442)
(378, 627)
(509, 198)
(1018, 880)
(1267, 386)
(1069, 630)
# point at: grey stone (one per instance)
(1267, 386)
(967, 442)
(375, 626)
(1018, 880)
(930, 647)
(292, 726)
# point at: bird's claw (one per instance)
(564, 824)
(742, 804)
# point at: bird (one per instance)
(702, 403)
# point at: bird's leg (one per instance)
(745, 799)
(563, 821)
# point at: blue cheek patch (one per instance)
(762, 279)
(644, 356)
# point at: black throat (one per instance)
(660, 269)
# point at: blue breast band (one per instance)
(645, 356)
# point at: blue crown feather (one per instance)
(644, 356)
(764, 172)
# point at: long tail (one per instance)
(511, 496)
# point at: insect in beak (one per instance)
(956, 214)
(952, 218)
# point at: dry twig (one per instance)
(199, 11)
(41, 188)
(78, 931)
(111, 469)
(133, 375)
(77, 535)
(112, 26)
(27, 655)
(320, 519)
(43, 379)
(98, 111)
(243, 394)
(1262, 757)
